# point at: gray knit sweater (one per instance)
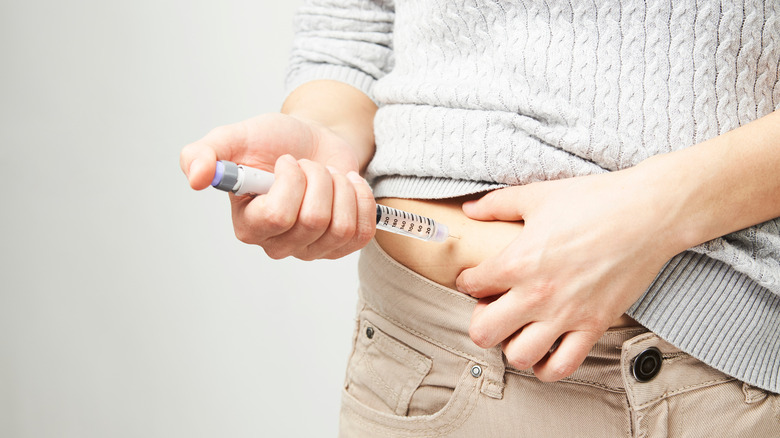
(475, 95)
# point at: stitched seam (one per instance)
(438, 289)
(389, 343)
(776, 405)
(384, 343)
(753, 394)
(675, 357)
(358, 356)
(683, 389)
(429, 339)
(379, 381)
(354, 351)
(621, 331)
(640, 433)
(627, 411)
(573, 381)
(440, 430)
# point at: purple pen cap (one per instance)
(218, 174)
(226, 176)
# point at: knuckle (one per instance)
(277, 220)
(503, 269)
(540, 291)
(341, 230)
(276, 252)
(595, 324)
(224, 131)
(508, 269)
(244, 234)
(306, 256)
(245, 231)
(313, 222)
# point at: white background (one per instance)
(127, 306)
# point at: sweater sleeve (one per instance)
(345, 40)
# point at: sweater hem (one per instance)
(418, 187)
(698, 303)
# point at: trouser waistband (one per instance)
(442, 316)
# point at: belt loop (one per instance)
(752, 394)
(493, 383)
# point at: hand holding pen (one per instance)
(319, 207)
(247, 181)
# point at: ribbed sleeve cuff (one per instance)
(313, 72)
(718, 315)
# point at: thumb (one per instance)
(507, 204)
(198, 160)
(482, 280)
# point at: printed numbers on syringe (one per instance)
(409, 223)
(403, 225)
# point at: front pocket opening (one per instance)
(383, 373)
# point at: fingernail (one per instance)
(192, 166)
(289, 158)
(332, 170)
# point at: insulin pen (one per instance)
(243, 180)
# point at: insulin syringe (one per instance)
(243, 180)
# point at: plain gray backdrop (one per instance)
(127, 306)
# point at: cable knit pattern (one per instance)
(475, 94)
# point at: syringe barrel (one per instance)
(410, 224)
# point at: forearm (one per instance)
(722, 185)
(339, 107)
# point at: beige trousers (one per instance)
(414, 372)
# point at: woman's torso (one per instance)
(475, 98)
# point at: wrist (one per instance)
(681, 204)
(338, 109)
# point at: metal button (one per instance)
(370, 332)
(476, 371)
(647, 364)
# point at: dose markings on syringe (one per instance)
(405, 217)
